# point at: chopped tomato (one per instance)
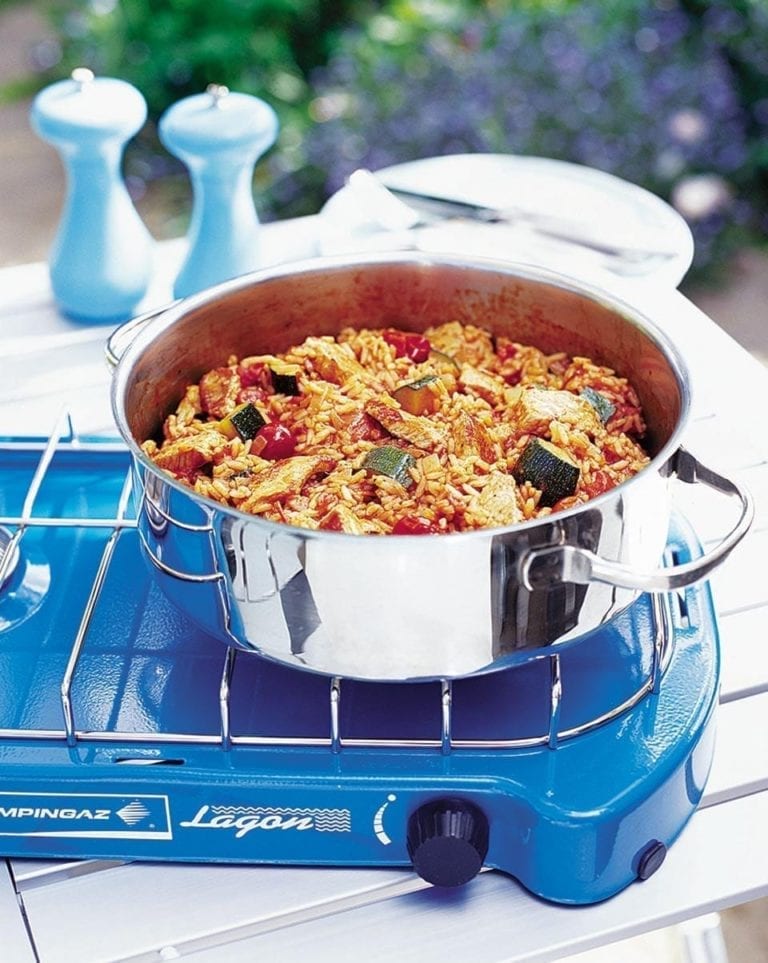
(325, 501)
(513, 377)
(623, 412)
(252, 393)
(274, 441)
(506, 350)
(332, 523)
(251, 374)
(408, 344)
(601, 482)
(414, 525)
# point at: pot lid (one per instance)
(567, 217)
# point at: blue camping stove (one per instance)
(126, 733)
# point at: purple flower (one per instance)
(648, 97)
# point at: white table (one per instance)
(96, 910)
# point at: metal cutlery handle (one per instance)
(560, 228)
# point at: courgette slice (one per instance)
(419, 397)
(285, 378)
(603, 406)
(246, 421)
(440, 357)
(548, 468)
(391, 461)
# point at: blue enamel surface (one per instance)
(100, 263)
(219, 140)
(569, 823)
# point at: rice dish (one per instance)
(389, 431)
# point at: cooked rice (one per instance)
(471, 440)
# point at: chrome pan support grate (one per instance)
(53, 458)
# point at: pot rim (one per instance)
(175, 312)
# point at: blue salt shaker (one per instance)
(219, 136)
(100, 263)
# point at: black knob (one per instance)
(651, 858)
(447, 841)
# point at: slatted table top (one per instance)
(56, 911)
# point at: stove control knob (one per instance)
(447, 841)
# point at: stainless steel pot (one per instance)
(397, 608)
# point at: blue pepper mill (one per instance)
(219, 136)
(100, 263)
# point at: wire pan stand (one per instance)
(64, 438)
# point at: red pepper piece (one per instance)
(414, 525)
(408, 344)
(274, 441)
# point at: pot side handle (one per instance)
(121, 337)
(542, 568)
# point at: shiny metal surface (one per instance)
(75, 732)
(564, 229)
(9, 555)
(121, 337)
(568, 563)
(400, 608)
(90, 605)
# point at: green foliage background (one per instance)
(277, 49)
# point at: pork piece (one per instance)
(189, 407)
(481, 383)
(334, 362)
(536, 408)
(471, 437)
(419, 431)
(342, 519)
(362, 427)
(218, 391)
(497, 502)
(189, 453)
(283, 479)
